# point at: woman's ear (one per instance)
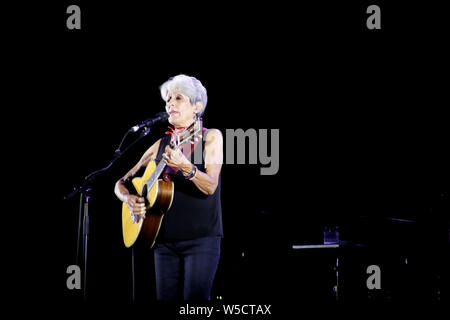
(198, 107)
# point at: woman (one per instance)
(188, 245)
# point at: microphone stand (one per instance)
(85, 191)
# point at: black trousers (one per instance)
(186, 269)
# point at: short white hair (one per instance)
(189, 86)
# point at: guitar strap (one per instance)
(190, 149)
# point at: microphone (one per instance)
(160, 116)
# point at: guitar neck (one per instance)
(154, 177)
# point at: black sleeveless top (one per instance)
(193, 214)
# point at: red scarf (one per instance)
(175, 132)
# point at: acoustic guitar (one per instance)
(158, 195)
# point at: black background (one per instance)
(363, 139)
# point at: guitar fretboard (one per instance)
(159, 169)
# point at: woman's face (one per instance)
(178, 106)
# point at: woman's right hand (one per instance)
(136, 205)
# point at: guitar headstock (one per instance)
(190, 134)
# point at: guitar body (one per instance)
(157, 201)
